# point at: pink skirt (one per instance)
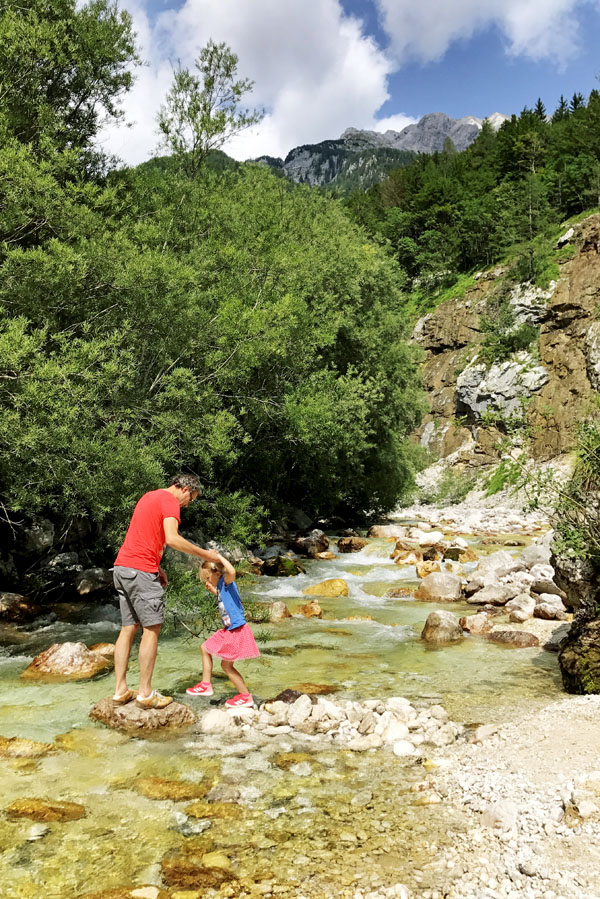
(233, 645)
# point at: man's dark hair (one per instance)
(187, 480)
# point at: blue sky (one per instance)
(320, 66)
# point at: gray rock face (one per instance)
(529, 304)
(500, 387)
(592, 347)
(426, 136)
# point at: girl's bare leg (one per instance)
(234, 676)
(207, 665)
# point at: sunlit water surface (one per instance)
(294, 827)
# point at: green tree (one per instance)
(63, 70)
(202, 110)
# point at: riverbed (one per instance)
(299, 828)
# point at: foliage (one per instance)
(452, 488)
(503, 335)
(202, 112)
(192, 607)
(507, 474)
(233, 324)
(63, 69)
(445, 215)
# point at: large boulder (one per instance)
(493, 567)
(520, 608)
(351, 544)
(67, 661)
(331, 587)
(281, 566)
(550, 606)
(93, 579)
(578, 579)
(478, 624)
(441, 627)
(579, 655)
(316, 542)
(441, 586)
(131, 718)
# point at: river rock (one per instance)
(543, 585)
(281, 566)
(480, 623)
(500, 815)
(326, 556)
(493, 595)
(66, 661)
(439, 587)
(279, 611)
(18, 748)
(331, 587)
(387, 531)
(131, 718)
(315, 542)
(45, 810)
(364, 743)
(105, 649)
(403, 749)
(312, 609)
(517, 639)
(441, 627)
(424, 568)
(520, 608)
(550, 606)
(536, 554)
(16, 608)
(186, 871)
(300, 710)
(175, 790)
(216, 721)
(491, 569)
(394, 731)
(351, 544)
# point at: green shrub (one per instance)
(452, 488)
(506, 474)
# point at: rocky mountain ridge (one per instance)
(360, 158)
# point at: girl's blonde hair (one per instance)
(209, 567)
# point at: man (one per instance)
(140, 582)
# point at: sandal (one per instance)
(154, 701)
(201, 689)
(240, 701)
(126, 697)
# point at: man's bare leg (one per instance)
(122, 651)
(147, 658)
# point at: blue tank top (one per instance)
(230, 604)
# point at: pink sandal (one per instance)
(240, 701)
(201, 689)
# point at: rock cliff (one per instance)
(545, 389)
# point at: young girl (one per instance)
(234, 641)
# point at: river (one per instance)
(299, 828)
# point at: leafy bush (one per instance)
(506, 474)
(503, 336)
(452, 488)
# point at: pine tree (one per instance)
(540, 110)
(562, 110)
(577, 102)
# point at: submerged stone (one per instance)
(315, 689)
(518, 639)
(226, 810)
(130, 892)
(16, 748)
(45, 810)
(131, 718)
(175, 790)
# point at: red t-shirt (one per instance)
(145, 538)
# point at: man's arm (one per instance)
(174, 539)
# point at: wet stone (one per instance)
(45, 810)
(133, 719)
(175, 790)
(16, 748)
(226, 810)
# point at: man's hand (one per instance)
(211, 555)
(162, 577)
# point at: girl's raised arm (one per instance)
(229, 570)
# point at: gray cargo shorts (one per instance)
(141, 596)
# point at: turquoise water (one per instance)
(125, 837)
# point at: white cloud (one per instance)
(533, 28)
(393, 123)
(315, 71)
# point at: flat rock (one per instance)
(517, 639)
(175, 790)
(66, 661)
(17, 748)
(133, 719)
(493, 594)
(45, 810)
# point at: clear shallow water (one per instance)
(125, 836)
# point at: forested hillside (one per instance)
(227, 322)
(452, 213)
